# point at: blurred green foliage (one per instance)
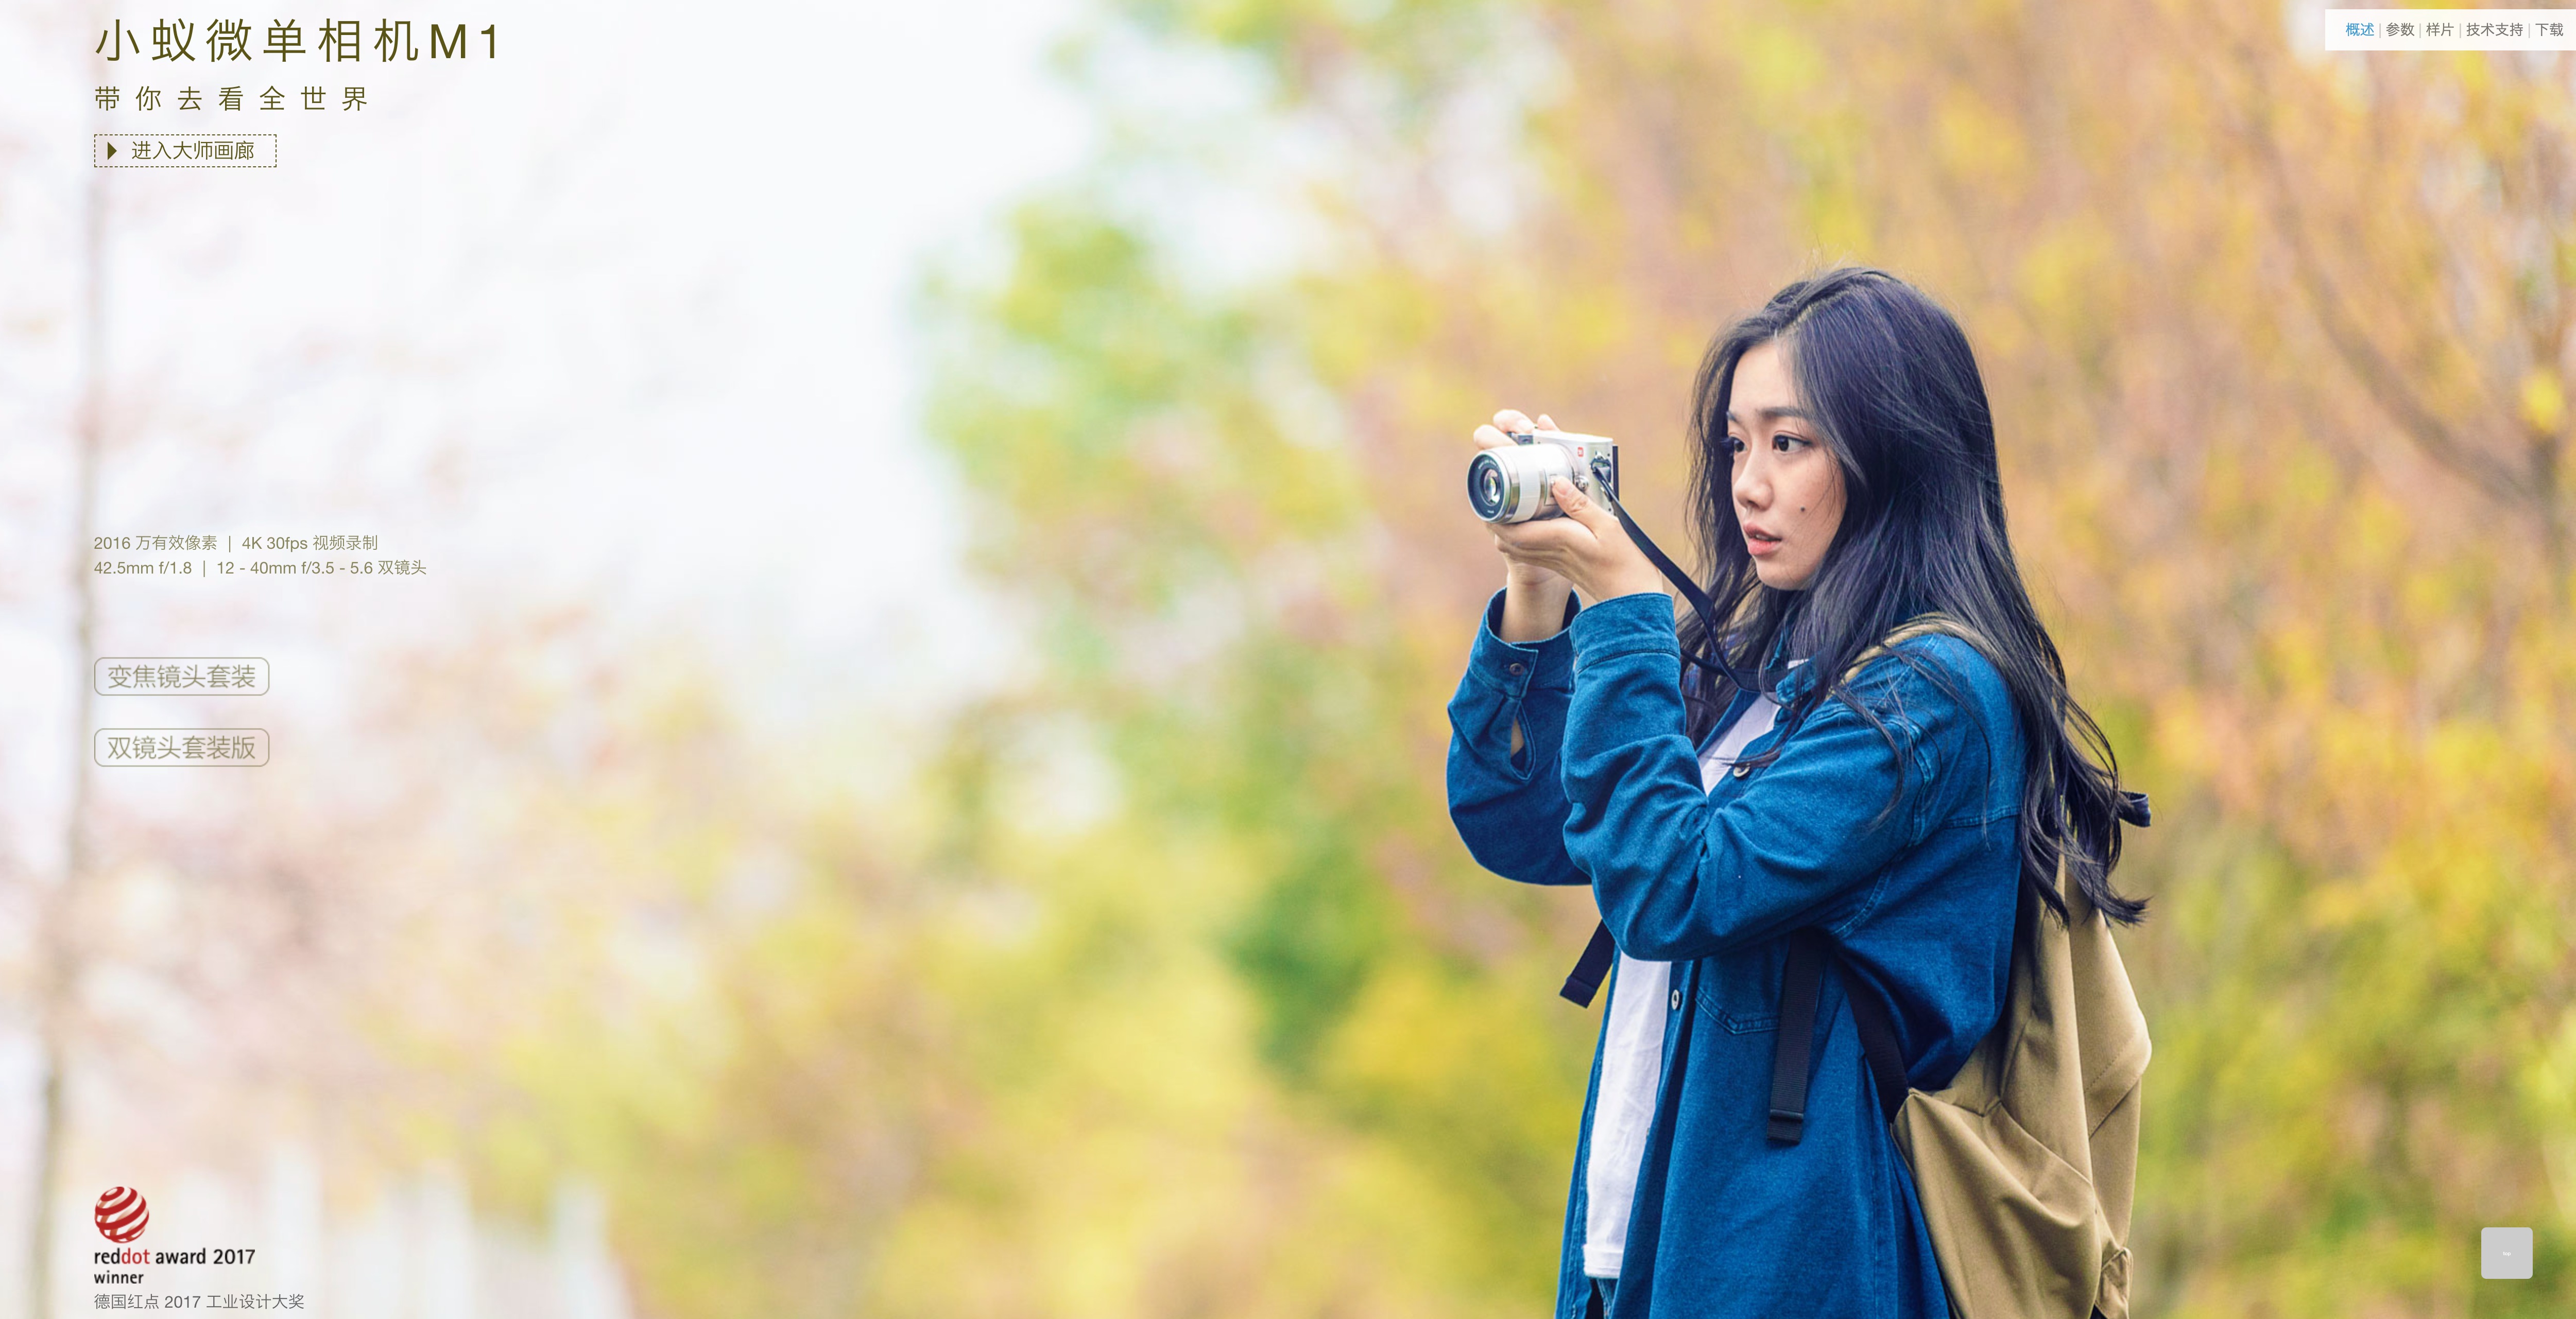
(2275, 340)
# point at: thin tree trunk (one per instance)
(61, 949)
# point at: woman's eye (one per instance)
(1786, 443)
(1735, 444)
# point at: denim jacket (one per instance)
(1907, 858)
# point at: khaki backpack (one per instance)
(2026, 1162)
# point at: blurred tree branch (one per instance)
(2511, 443)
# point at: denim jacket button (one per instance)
(1677, 1000)
(1518, 667)
(1741, 770)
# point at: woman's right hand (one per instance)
(1533, 597)
(1497, 436)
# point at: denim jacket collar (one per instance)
(1786, 678)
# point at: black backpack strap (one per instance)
(1591, 969)
(1878, 1044)
(1800, 984)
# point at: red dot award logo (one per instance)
(121, 1214)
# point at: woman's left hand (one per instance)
(1587, 547)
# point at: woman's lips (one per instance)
(1758, 546)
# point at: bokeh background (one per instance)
(913, 786)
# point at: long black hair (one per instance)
(1889, 378)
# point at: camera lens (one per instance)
(1510, 485)
(1487, 490)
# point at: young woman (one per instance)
(1720, 793)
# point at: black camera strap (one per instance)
(1593, 967)
(1690, 591)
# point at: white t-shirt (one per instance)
(1632, 1053)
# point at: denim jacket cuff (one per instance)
(1512, 667)
(1625, 625)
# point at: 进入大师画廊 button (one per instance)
(183, 150)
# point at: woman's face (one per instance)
(1788, 487)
